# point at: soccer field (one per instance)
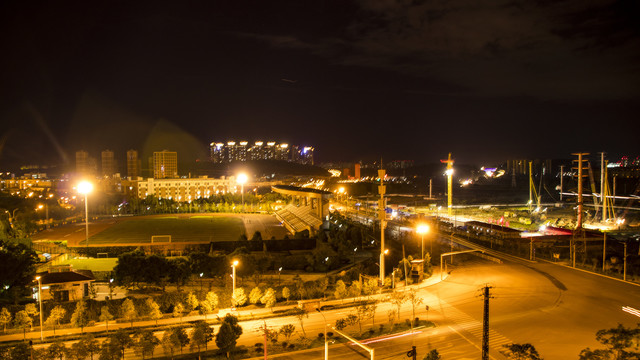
(200, 228)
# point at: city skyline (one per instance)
(358, 80)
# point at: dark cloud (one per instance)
(550, 50)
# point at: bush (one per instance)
(320, 335)
(329, 334)
(284, 344)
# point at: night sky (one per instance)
(358, 80)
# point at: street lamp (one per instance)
(242, 179)
(423, 229)
(233, 267)
(85, 187)
(40, 301)
(326, 342)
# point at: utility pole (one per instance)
(603, 192)
(580, 176)
(624, 271)
(604, 250)
(383, 224)
(412, 353)
(485, 323)
(561, 176)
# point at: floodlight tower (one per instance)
(449, 173)
(383, 224)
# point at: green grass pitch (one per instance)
(194, 229)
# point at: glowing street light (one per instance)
(40, 301)
(423, 229)
(233, 275)
(242, 179)
(85, 187)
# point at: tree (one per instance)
(432, 355)
(5, 318)
(522, 352)
(179, 337)
(110, 350)
(154, 310)
(620, 343)
(17, 266)
(239, 297)
(130, 269)
(212, 298)
(20, 351)
(287, 330)
(269, 298)
(415, 300)
(301, 314)
(370, 286)
(80, 317)
(105, 316)
(228, 334)
(121, 340)
(255, 295)
(167, 343)
(178, 310)
(77, 351)
(145, 342)
(355, 289)
(91, 345)
(286, 293)
(56, 314)
(397, 298)
(201, 335)
(192, 302)
(341, 291)
(57, 350)
(23, 321)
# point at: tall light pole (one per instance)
(40, 301)
(423, 229)
(85, 187)
(449, 173)
(383, 223)
(233, 275)
(242, 179)
(326, 342)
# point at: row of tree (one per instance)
(144, 343)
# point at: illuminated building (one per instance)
(282, 152)
(230, 151)
(165, 164)
(217, 155)
(256, 152)
(270, 151)
(183, 189)
(221, 152)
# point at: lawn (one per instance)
(194, 229)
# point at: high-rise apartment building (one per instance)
(256, 152)
(165, 164)
(82, 162)
(133, 164)
(108, 163)
(270, 150)
(282, 152)
(241, 151)
(217, 152)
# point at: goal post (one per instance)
(160, 239)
